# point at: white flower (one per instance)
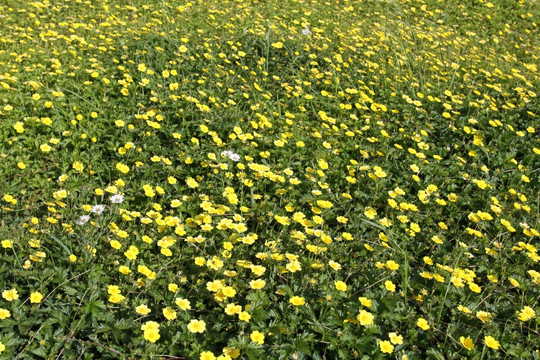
(234, 157)
(97, 209)
(83, 220)
(231, 155)
(306, 32)
(117, 199)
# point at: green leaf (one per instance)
(59, 242)
(40, 351)
(70, 291)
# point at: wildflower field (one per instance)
(227, 179)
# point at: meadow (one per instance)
(300, 179)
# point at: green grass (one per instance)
(267, 150)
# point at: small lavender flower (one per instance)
(83, 220)
(306, 32)
(97, 209)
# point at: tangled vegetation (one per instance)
(354, 179)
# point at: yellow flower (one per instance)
(192, 183)
(116, 298)
(151, 331)
(115, 244)
(340, 285)
(365, 301)
(257, 284)
(124, 169)
(142, 309)
(4, 313)
(214, 286)
(492, 343)
(386, 347)
(124, 270)
(297, 301)
(480, 183)
(475, 288)
(283, 220)
(196, 326)
(334, 265)
(244, 316)
(423, 324)
(19, 127)
(182, 303)
(233, 309)
(207, 355)
(122, 234)
(150, 325)
(229, 291)
(324, 204)
(113, 289)
(365, 318)
(379, 172)
(370, 213)
(7, 244)
(484, 316)
(169, 313)
(232, 352)
(10, 295)
(2, 347)
(45, 147)
(132, 253)
(467, 343)
(322, 164)
(257, 337)
(526, 314)
(35, 297)
(389, 285)
(395, 338)
(60, 194)
(77, 165)
(293, 266)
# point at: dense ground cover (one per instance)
(264, 179)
